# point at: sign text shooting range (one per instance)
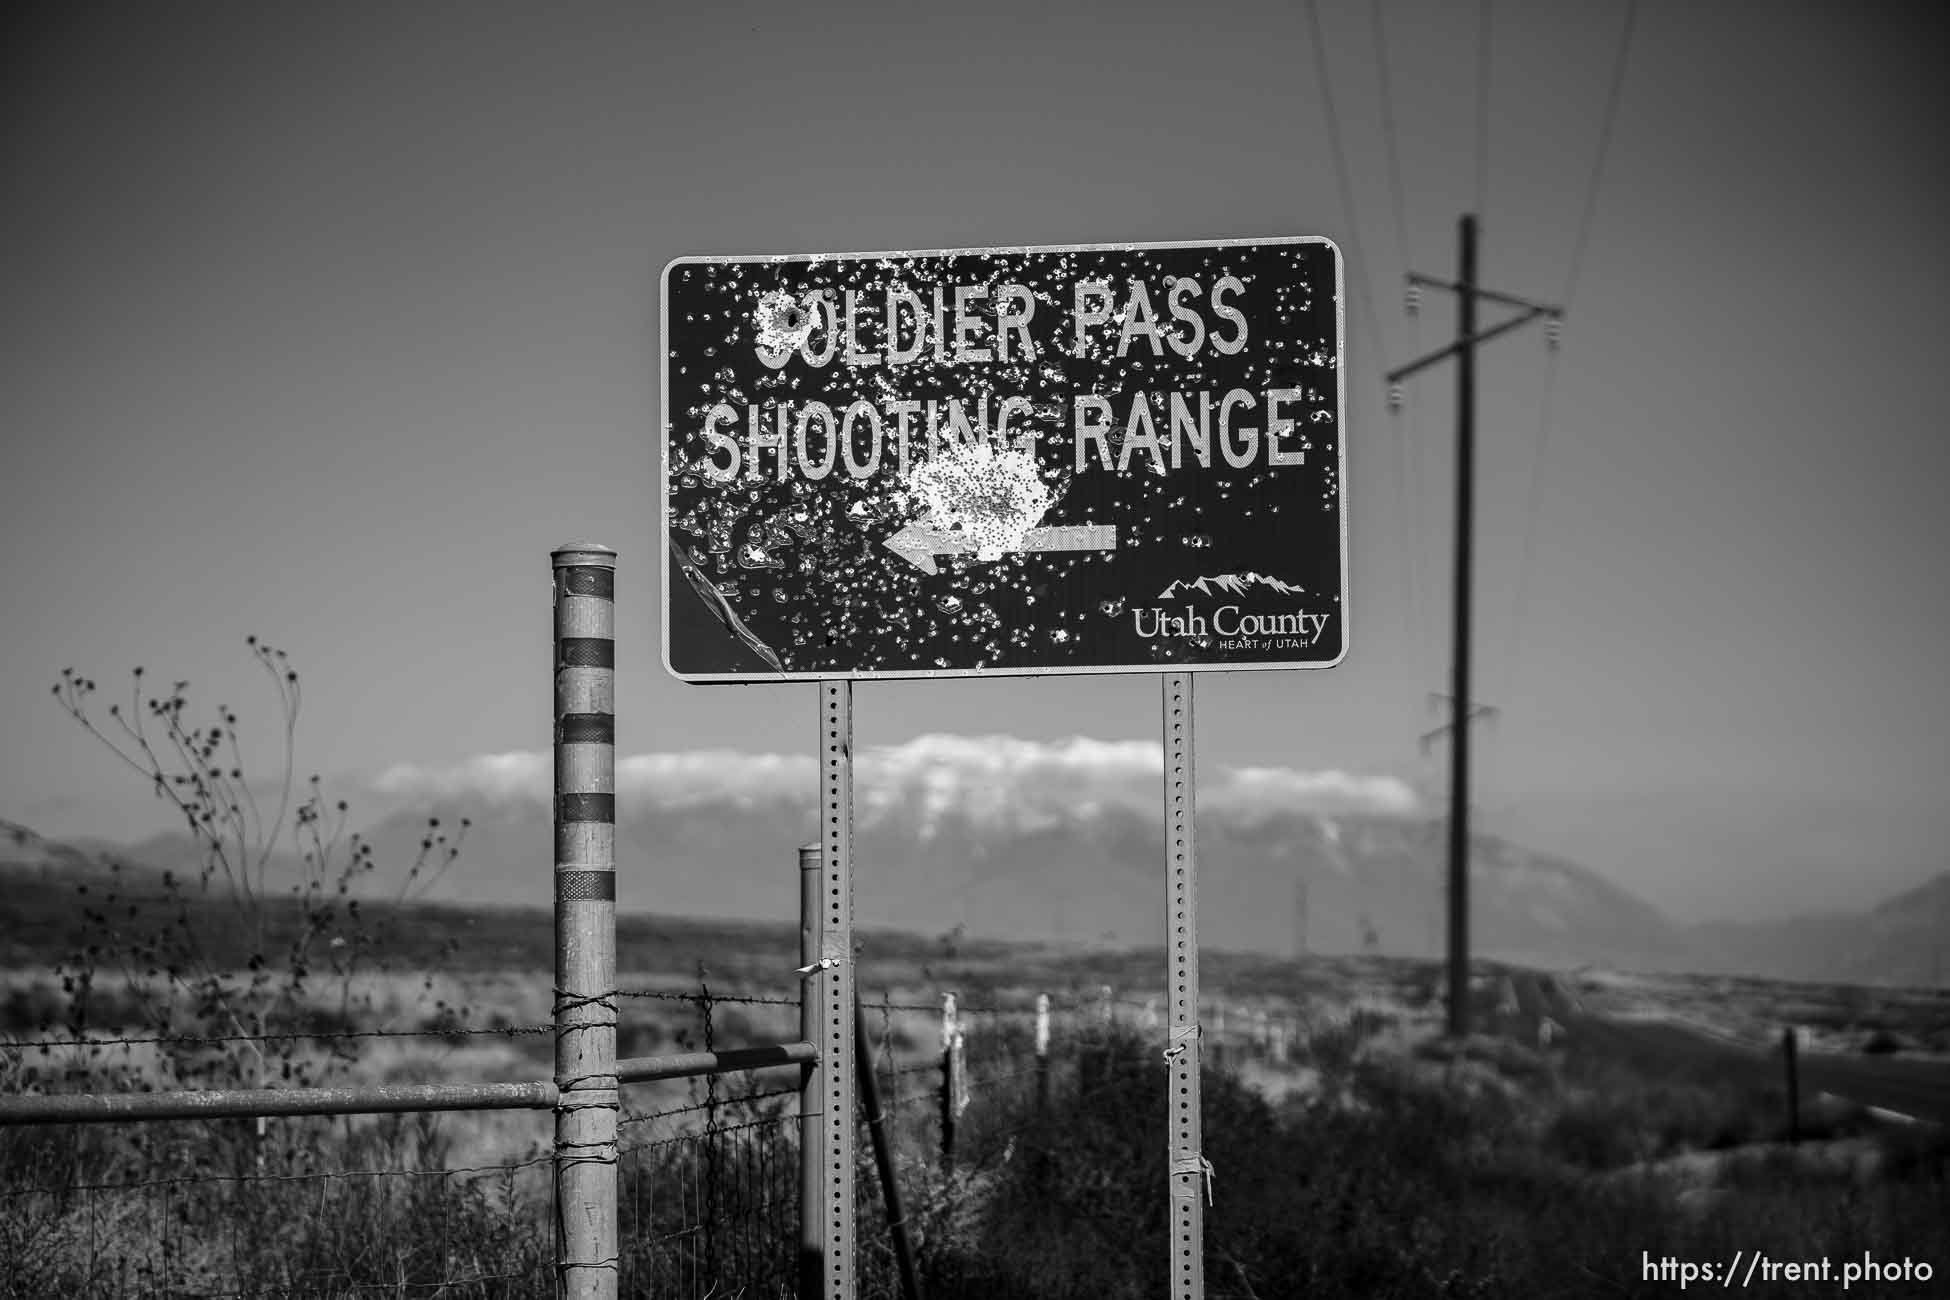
(1065, 459)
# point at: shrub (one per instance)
(234, 957)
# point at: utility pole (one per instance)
(1464, 350)
(1426, 742)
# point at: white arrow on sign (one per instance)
(918, 544)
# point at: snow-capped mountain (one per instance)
(1235, 584)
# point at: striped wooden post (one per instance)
(587, 1253)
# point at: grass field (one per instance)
(1357, 1152)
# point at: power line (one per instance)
(1357, 270)
(1533, 498)
(1483, 109)
(1341, 172)
(1534, 492)
(1388, 131)
(1407, 440)
(1485, 28)
(1604, 148)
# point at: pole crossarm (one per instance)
(1443, 698)
(1488, 295)
(1462, 345)
(1486, 712)
(1427, 739)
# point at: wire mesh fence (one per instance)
(711, 1210)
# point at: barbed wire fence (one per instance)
(301, 1204)
(415, 1202)
(209, 1122)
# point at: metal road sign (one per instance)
(1003, 461)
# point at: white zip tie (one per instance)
(1182, 1037)
(813, 968)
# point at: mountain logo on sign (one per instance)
(1234, 584)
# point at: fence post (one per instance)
(708, 1026)
(1042, 1053)
(812, 1269)
(1789, 1054)
(961, 1065)
(883, 1154)
(949, 1032)
(1093, 1047)
(587, 1255)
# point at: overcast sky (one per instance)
(326, 322)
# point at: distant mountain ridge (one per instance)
(22, 848)
(1268, 883)
(1902, 940)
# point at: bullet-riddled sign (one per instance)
(1004, 461)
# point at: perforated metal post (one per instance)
(587, 1257)
(836, 984)
(812, 1080)
(1188, 1168)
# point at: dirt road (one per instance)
(1918, 1089)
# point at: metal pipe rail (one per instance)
(378, 1099)
(642, 1069)
(248, 1103)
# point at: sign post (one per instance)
(838, 1004)
(1190, 1170)
(1004, 462)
